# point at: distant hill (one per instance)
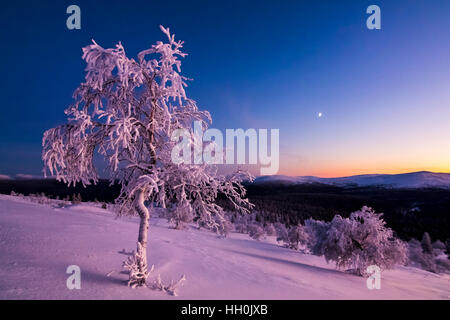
(422, 179)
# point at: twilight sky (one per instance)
(384, 94)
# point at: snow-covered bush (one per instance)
(226, 228)
(128, 110)
(292, 237)
(240, 227)
(419, 255)
(316, 235)
(363, 240)
(439, 245)
(356, 242)
(296, 236)
(418, 258)
(241, 223)
(182, 213)
(170, 288)
(439, 248)
(282, 233)
(255, 231)
(442, 264)
(270, 230)
(76, 198)
(40, 198)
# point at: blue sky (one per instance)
(384, 94)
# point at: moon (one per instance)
(319, 114)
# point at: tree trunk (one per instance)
(139, 276)
(140, 271)
(144, 215)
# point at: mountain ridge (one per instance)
(419, 179)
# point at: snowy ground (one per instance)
(38, 242)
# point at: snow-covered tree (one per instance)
(240, 227)
(317, 233)
(127, 110)
(419, 255)
(282, 233)
(270, 230)
(426, 243)
(296, 236)
(241, 223)
(439, 248)
(418, 258)
(362, 240)
(255, 231)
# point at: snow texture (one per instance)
(38, 242)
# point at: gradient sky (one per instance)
(384, 94)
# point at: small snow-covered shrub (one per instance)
(170, 288)
(418, 258)
(76, 198)
(255, 231)
(60, 204)
(40, 198)
(182, 214)
(317, 235)
(296, 236)
(442, 264)
(356, 242)
(419, 255)
(240, 227)
(270, 230)
(226, 228)
(439, 248)
(241, 223)
(282, 233)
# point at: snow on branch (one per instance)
(126, 110)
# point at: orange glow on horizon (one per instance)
(346, 172)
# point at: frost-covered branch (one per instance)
(127, 110)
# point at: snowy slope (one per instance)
(38, 242)
(420, 179)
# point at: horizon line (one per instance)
(356, 175)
